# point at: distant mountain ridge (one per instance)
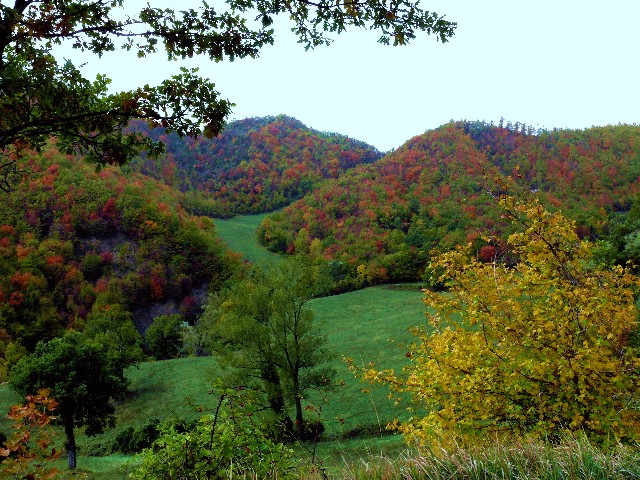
(255, 165)
(433, 193)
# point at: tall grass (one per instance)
(573, 459)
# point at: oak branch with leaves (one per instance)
(41, 97)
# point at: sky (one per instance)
(546, 63)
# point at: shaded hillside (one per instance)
(255, 165)
(434, 192)
(74, 242)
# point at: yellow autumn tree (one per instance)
(540, 348)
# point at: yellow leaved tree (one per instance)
(540, 348)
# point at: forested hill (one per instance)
(433, 192)
(255, 165)
(76, 244)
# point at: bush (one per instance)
(133, 440)
(220, 446)
(92, 266)
(539, 349)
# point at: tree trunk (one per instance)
(71, 442)
(299, 418)
(276, 399)
(273, 388)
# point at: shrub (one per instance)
(132, 440)
(227, 444)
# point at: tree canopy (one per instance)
(80, 377)
(541, 348)
(431, 193)
(41, 96)
(266, 338)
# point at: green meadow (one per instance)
(366, 325)
(369, 325)
(240, 234)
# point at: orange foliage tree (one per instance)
(29, 452)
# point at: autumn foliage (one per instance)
(30, 452)
(432, 193)
(540, 348)
(255, 165)
(76, 243)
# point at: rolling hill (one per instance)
(76, 242)
(439, 190)
(255, 165)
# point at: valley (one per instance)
(109, 252)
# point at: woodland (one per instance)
(471, 295)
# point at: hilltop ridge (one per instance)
(255, 165)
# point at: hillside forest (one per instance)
(130, 258)
(438, 190)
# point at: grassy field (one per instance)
(240, 234)
(370, 325)
(366, 325)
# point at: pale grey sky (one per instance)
(547, 63)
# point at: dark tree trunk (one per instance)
(299, 419)
(274, 390)
(276, 398)
(71, 442)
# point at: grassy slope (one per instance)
(240, 234)
(366, 325)
(363, 325)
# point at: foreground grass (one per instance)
(571, 460)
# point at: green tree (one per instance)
(621, 243)
(538, 349)
(80, 377)
(42, 97)
(264, 331)
(164, 336)
(112, 326)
